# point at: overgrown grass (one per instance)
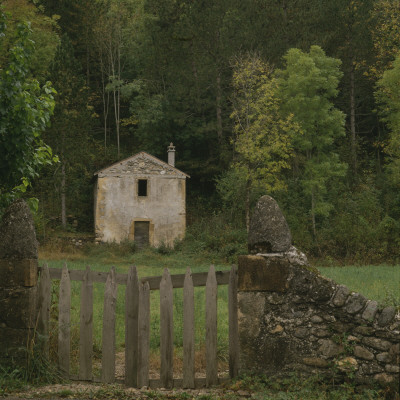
(37, 370)
(211, 238)
(313, 387)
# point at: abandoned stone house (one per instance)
(142, 199)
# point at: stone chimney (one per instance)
(171, 155)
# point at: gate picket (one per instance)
(86, 328)
(233, 324)
(211, 329)
(64, 322)
(131, 327)
(44, 301)
(166, 330)
(144, 334)
(188, 331)
(108, 346)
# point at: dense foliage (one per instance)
(25, 110)
(297, 99)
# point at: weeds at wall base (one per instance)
(36, 370)
(316, 387)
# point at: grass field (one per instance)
(376, 282)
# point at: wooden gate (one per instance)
(137, 324)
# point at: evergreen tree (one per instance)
(388, 96)
(70, 137)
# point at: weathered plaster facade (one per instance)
(140, 195)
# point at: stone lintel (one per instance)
(18, 272)
(263, 273)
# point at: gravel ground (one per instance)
(118, 391)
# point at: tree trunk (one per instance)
(115, 63)
(87, 58)
(118, 90)
(194, 69)
(105, 97)
(247, 205)
(314, 229)
(219, 111)
(353, 121)
(63, 206)
(116, 112)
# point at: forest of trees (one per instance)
(299, 99)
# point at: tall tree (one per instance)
(307, 85)
(115, 38)
(70, 134)
(187, 57)
(388, 96)
(77, 18)
(353, 44)
(263, 136)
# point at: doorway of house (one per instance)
(141, 233)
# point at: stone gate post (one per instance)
(292, 319)
(18, 282)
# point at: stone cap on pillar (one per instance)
(268, 232)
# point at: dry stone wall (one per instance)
(293, 319)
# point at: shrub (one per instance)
(216, 235)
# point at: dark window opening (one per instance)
(142, 187)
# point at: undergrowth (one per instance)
(35, 369)
(315, 387)
(212, 237)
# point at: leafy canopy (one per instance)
(44, 34)
(263, 137)
(307, 85)
(25, 110)
(385, 33)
